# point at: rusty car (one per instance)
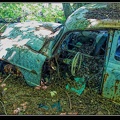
(86, 46)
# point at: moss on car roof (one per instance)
(95, 16)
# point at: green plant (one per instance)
(30, 11)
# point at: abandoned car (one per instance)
(87, 46)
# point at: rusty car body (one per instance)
(29, 45)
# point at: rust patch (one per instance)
(116, 85)
(116, 88)
(44, 28)
(105, 77)
(117, 82)
(110, 40)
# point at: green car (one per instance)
(86, 46)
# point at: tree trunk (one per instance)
(78, 5)
(67, 9)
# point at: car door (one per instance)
(111, 75)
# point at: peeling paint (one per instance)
(27, 47)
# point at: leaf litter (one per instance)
(21, 99)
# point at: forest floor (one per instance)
(18, 98)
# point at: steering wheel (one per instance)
(76, 63)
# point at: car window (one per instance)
(75, 40)
(117, 53)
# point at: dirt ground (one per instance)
(18, 98)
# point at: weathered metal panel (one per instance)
(32, 34)
(29, 62)
(111, 77)
(111, 86)
(27, 45)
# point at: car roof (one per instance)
(94, 16)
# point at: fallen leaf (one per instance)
(3, 85)
(44, 87)
(38, 87)
(62, 113)
(16, 111)
(42, 83)
(5, 89)
(0, 81)
(24, 104)
(53, 93)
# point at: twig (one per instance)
(57, 68)
(6, 78)
(116, 103)
(69, 100)
(3, 107)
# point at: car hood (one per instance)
(27, 45)
(33, 35)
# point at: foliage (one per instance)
(77, 5)
(31, 11)
(10, 11)
(71, 7)
(44, 12)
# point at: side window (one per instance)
(82, 41)
(86, 42)
(117, 53)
